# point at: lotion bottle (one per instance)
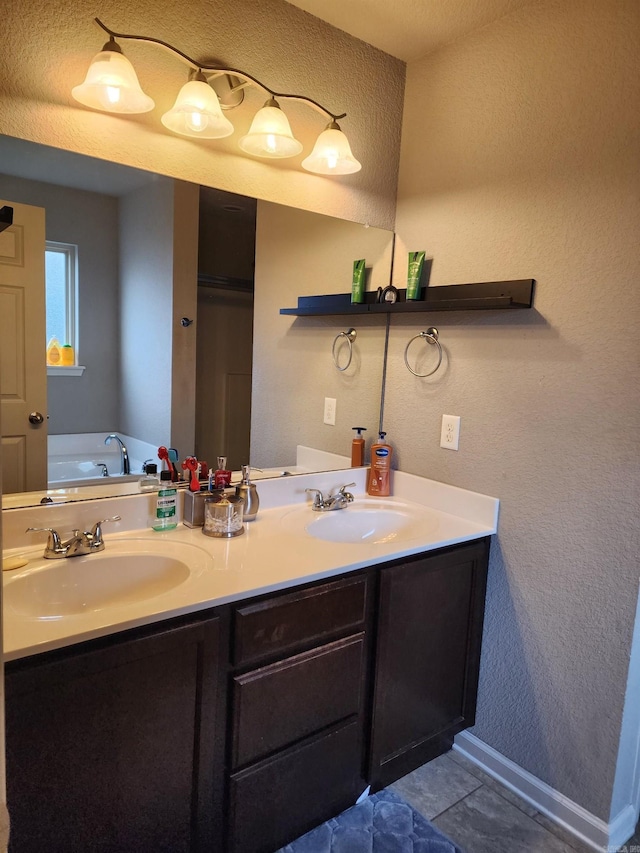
(380, 473)
(54, 355)
(357, 448)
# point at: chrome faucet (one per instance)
(78, 545)
(339, 500)
(124, 456)
(103, 468)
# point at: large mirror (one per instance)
(178, 326)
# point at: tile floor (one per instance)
(483, 816)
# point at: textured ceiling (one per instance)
(408, 29)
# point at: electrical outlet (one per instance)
(330, 411)
(450, 432)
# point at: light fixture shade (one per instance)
(197, 112)
(331, 154)
(270, 134)
(111, 84)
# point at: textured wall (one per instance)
(520, 159)
(87, 403)
(45, 50)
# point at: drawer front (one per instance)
(280, 704)
(287, 622)
(280, 799)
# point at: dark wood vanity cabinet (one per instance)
(299, 697)
(244, 727)
(118, 745)
(430, 617)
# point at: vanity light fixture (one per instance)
(111, 85)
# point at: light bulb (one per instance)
(196, 121)
(111, 94)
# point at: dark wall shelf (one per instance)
(487, 295)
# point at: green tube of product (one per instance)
(357, 285)
(414, 275)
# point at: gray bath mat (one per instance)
(383, 823)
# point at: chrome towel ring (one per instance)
(350, 336)
(431, 337)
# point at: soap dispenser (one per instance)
(249, 494)
(357, 448)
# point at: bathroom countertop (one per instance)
(273, 554)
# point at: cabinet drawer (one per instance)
(280, 704)
(280, 799)
(286, 622)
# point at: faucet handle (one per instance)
(346, 495)
(318, 499)
(96, 530)
(53, 539)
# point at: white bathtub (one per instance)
(77, 459)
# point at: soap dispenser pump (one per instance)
(249, 494)
(357, 448)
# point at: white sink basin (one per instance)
(126, 572)
(363, 522)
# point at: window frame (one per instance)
(70, 253)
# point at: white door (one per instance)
(23, 373)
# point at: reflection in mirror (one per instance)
(141, 271)
(224, 341)
(301, 254)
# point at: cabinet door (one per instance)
(112, 746)
(428, 652)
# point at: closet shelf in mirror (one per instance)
(225, 282)
(486, 295)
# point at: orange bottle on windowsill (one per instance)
(68, 358)
(54, 355)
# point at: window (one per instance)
(61, 260)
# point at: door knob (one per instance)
(36, 418)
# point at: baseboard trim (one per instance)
(582, 824)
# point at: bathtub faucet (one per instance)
(124, 456)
